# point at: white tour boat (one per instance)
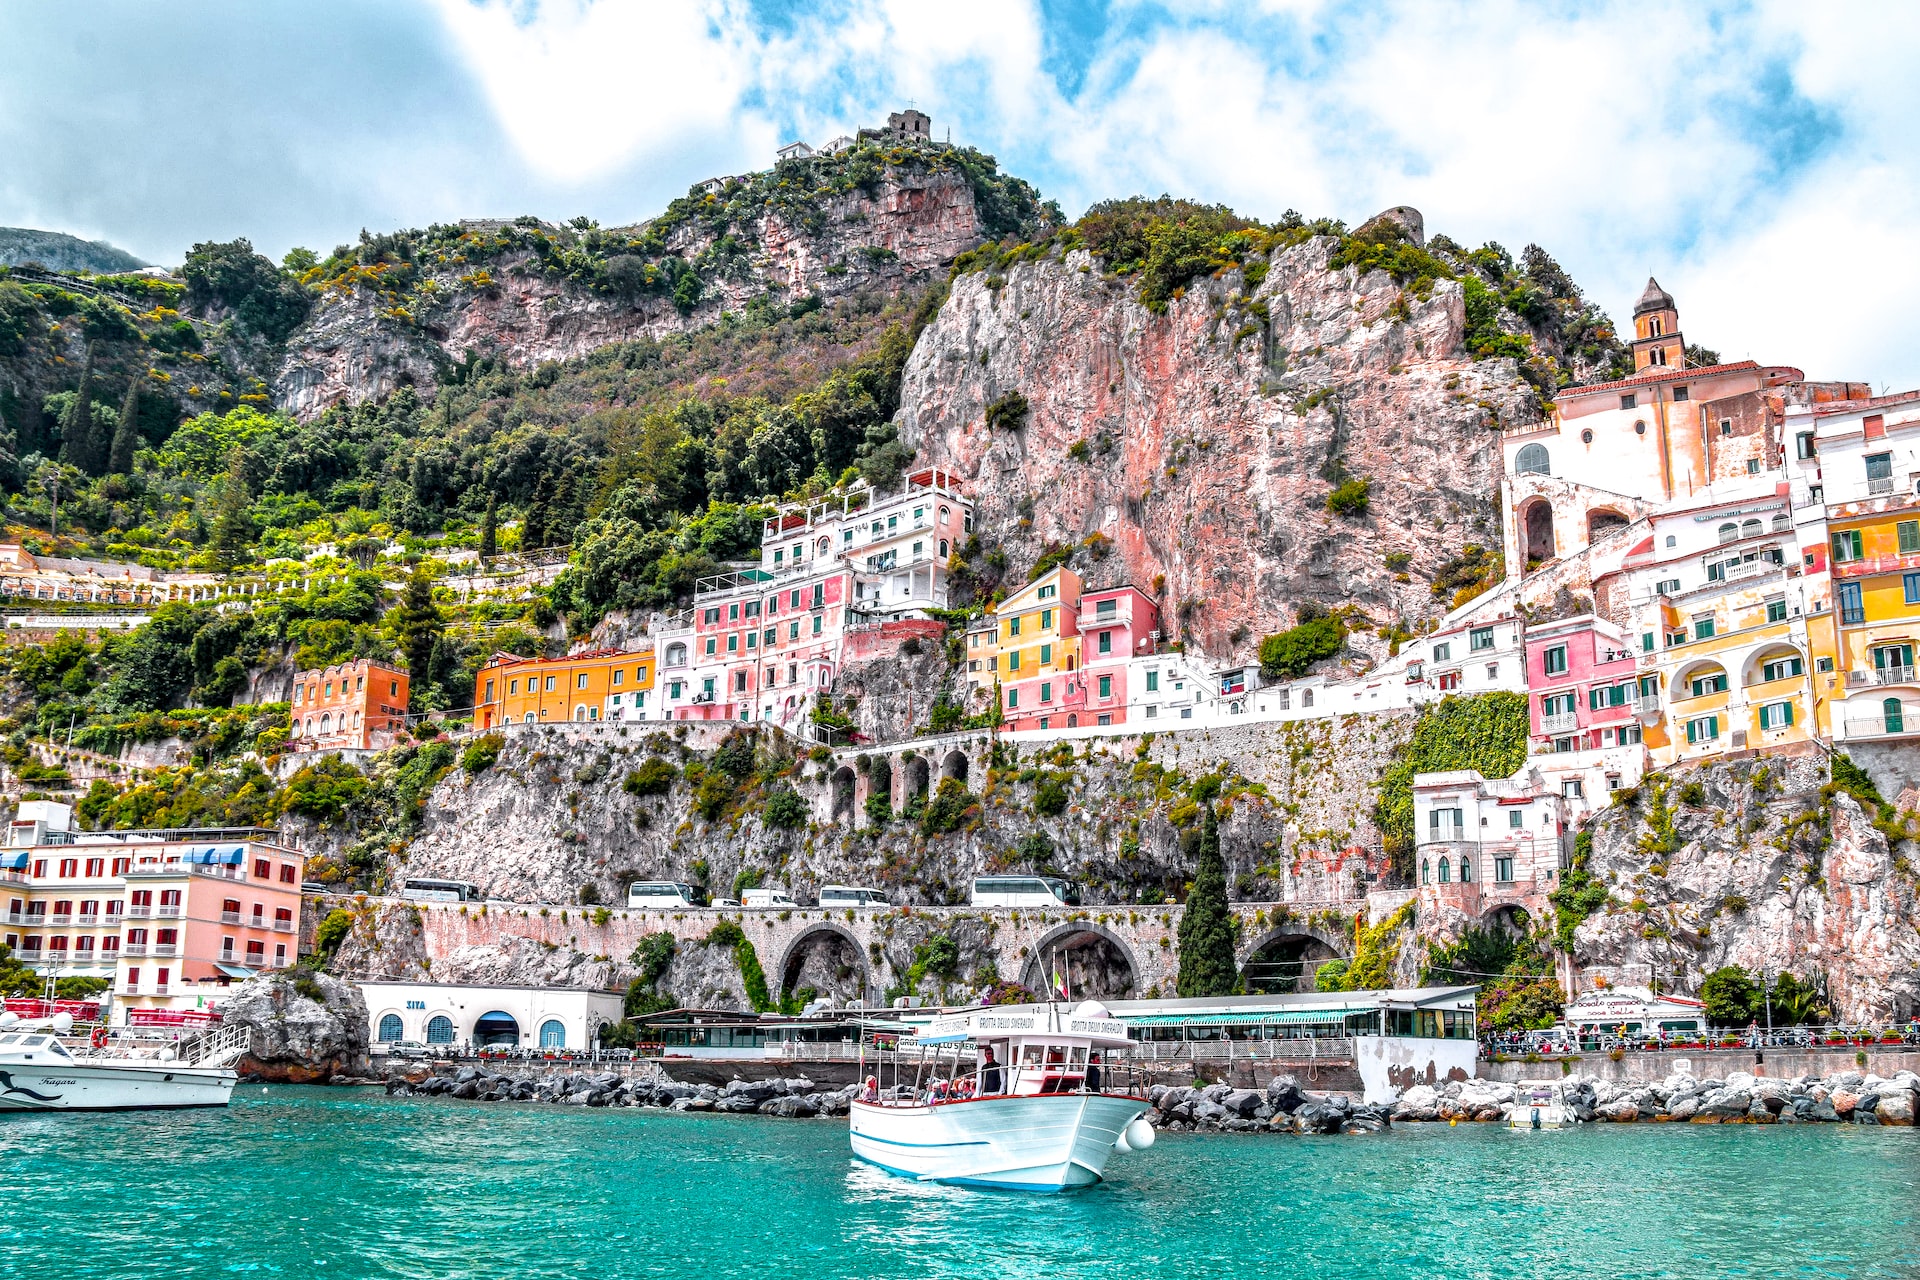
(39, 1073)
(1540, 1105)
(1014, 1096)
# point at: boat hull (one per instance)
(82, 1086)
(1046, 1142)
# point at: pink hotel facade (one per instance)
(171, 919)
(1583, 690)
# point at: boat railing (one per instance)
(1297, 1049)
(930, 1084)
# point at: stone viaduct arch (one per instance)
(828, 956)
(1094, 960)
(1284, 957)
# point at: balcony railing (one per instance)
(15, 917)
(281, 962)
(1880, 484)
(165, 949)
(62, 918)
(134, 949)
(229, 917)
(255, 960)
(1893, 675)
(138, 909)
(1650, 705)
(283, 926)
(161, 988)
(168, 909)
(1445, 835)
(1563, 722)
(1883, 727)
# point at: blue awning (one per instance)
(229, 857)
(14, 860)
(235, 971)
(197, 856)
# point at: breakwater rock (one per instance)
(793, 1098)
(1282, 1107)
(303, 1028)
(1849, 1097)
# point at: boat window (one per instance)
(1056, 1055)
(1079, 1058)
(1030, 1055)
(9, 1039)
(59, 1048)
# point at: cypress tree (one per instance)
(419, 629)
(1206, 928)
(533, 528)
(233, 527)
(76, 424)
(489, 530)
(126, 436)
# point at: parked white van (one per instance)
(766, 899)
(658, 893)
(1024, 891)
(842, 895)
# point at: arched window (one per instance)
(1672, 541)
(1532, 460)
(326, 724)
(440, 1029)
(1729, 532)
(943, 515)
(579, 713)
(1751, 528)
(390, 1028)
(943, 548)
(528, 718)
(1782, 523)
(676, 655)
(553, 1034)
(1466, 869)
(1426, 872)
(1896, 715)
(1446, 871)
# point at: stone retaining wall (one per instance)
(1777, 1064)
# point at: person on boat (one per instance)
(989, 1074)
(1093, 1072)
(872, 1092)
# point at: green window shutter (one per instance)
(1596, 699)
(1909, 531)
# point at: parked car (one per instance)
(407, 1049)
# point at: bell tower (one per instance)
(1656, 331)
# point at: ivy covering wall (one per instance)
(1486, 732)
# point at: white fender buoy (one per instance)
(1139, 1134)
(1120, 1143)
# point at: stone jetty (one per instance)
(794, 1098)
(1849, 1097)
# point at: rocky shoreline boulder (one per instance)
(304, 1027)
(1741, 1098)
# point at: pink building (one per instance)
(1582, 686)
(756, 645)
(1116, 625)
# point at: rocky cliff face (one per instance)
(517, 307)
(1209, 438)
(1754, 864)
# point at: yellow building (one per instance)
(599, 684)
(1868, 455)
(1028, 647)
(1720, 607)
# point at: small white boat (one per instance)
(1014, 1096)
(1540, 1105)
(39, 1073)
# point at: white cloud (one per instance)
(583, 89)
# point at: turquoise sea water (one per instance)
(318, 1183)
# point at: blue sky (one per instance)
(1759, 158)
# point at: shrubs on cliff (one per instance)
(1486, 732)
(1288, 655)
(1351, 497)
(784, 810)
(655, 777)
(1578, 895)
(325, 790)
(232, 276)
(482, 752)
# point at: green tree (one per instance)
(1730, 996)
(1287, 655)
(126, 434)
(76, 422)
(232, 277)
(489, 529)
(418, 626)
(1206, 928)
(535, 526)
(233, 528)
(17, 979)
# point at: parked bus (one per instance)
(840, 895)
(1024, 891)
(659, 893)
(440, 891)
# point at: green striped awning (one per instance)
(1329, 1015)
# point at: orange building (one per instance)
(597, 684)
(354, 706)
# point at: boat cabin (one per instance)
(1018, 1050)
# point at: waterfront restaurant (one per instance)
(728, 1033)
(1426, 1013)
